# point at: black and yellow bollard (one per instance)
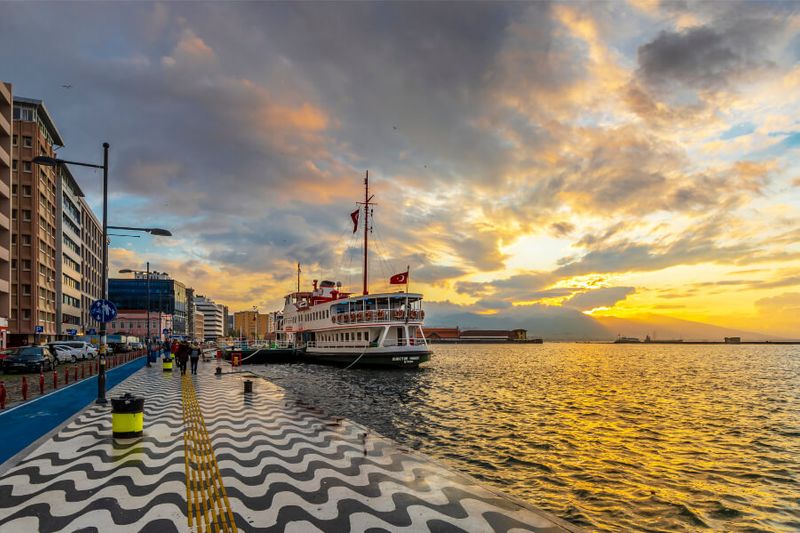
(127, 416)
(167, 365)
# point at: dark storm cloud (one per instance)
(714, 55)
(603, 297)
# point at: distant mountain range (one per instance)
(563, 323)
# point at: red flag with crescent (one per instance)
(354, 218)
(399, 279)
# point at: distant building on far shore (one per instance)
(447, 335)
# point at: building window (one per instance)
(14, 164)
(24, 113)
(26, 240)
(26, 264)
(26, 314)
(26, 166)
(26, 290)
(13, 214)
(26, 190)
(27, 141)
(13, 140)
(26, 215)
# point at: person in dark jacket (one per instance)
(194, 357)
(183, 356)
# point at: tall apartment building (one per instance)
(91, 265)
(69, 254)
(225, 317)
(34, 223)
(190, 312)
(198, 331)
(6, 157)
(212, 317)
(251, 324)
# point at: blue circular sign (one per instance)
(103, 311)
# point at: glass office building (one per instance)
(166, 295)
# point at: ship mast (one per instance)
(366, 203)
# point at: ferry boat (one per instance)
(368, 329)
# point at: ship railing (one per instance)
(414, 341)
(366, 344)
(389, 315)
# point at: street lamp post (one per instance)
(54, 162)
(146, 273)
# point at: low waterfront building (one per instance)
(134, 322)
(438, 334)
(454, 335)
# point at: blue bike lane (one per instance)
(22, 425)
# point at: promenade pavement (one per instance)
(214, 458)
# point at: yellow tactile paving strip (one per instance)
(207, 501)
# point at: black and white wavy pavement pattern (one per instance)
(287, 467)
(81, 478)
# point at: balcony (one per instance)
(4, 222)
(4, 286)
(4, 157)
(4, 190)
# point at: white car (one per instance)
(64, 353)
(83, 350)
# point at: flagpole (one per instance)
(408, 271)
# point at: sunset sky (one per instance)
(616, 158)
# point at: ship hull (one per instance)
(396, 359)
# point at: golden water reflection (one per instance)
(612, 437)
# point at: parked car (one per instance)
(5, 354)
(30, 359)
(83, 350)
(119, 347)
(64, 353)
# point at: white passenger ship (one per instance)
(369, 329)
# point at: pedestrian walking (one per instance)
(194, 357)
(183, 356)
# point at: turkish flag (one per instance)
(354, 218)
(399, 279)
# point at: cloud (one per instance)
(603, 297)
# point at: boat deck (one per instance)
(216, 458)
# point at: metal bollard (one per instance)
(55, 380)
(248, 386)
(66, 376)
(2, 395)
(41, 382)
(127, 416)
(83, 371)
(75, 376)
(24, 388)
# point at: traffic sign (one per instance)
(72, 332)
(38, 329)
(103, 311)
(165, 331)
(91, 331)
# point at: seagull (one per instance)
(67, 86)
